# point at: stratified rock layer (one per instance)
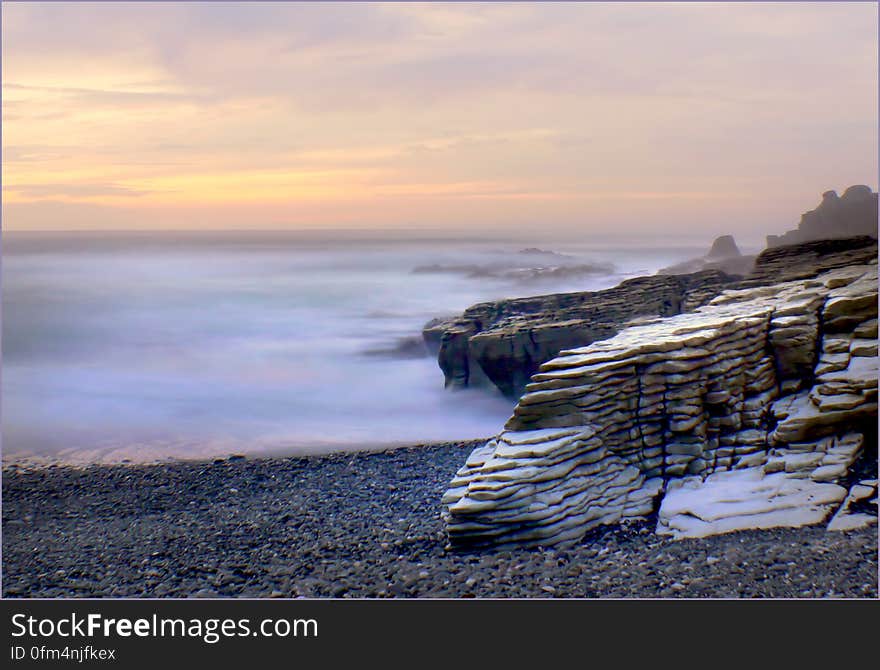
(502, 343)
(808, 259)
(862, 494)
(756, 402)
(724, 247)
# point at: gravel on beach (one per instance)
(364, 525)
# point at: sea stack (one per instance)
(724, 247)
(724, 255)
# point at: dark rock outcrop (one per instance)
(853, 214)
(542, 253)
(724, 247)
(753, 411)
(504, 342)
(808, 259)
(432, 332)
(410, 346)
(538, 266)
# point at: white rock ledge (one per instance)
(745, 413)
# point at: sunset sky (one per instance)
(605, 118)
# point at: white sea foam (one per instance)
(149, 347)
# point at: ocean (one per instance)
(141, 347)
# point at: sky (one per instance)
(639, 119)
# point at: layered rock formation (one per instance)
(859, 508)
(724, 256)
(853, 214)
(747, 412)
(808, 259)
(504, 342)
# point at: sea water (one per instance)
(150, 346)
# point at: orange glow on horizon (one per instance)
(580, 116)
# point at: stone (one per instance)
(756, 459)
(853, 214)
(862, 492)
(802, 420)
(724, 247)
(832, 363)
(845, 519)
(840, 401)
(724, 255)
(866, 329)
(801, 461)
(729, 501)
(504, 343)
(863, 347)
(810, 259)
(844, 522)
(721, 418)
(828, 473)
(835, 345)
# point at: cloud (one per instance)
(405, 107)
(48, 191)
(115, 98)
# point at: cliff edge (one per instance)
(503, 343)
(850, 215)
(751, 411)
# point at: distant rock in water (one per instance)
(534, 251)
(437, 268)
(562, 272)
(404, 347)
(724, 256)
(724, 247)
(503, 343)
(853, 214)
(530, 265)
(519, 274)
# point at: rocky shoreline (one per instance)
(660, 423)
(365, 525)
(503, 343)
(746, 413)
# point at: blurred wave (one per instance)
(149, 346)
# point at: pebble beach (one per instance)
(365, 525)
